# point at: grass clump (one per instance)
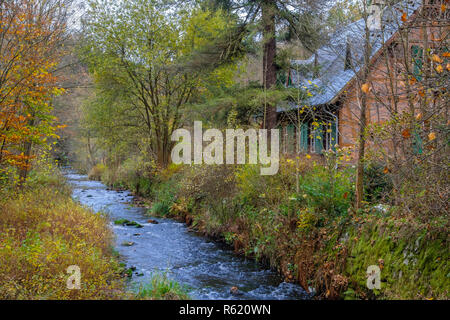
(162, 288)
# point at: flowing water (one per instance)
(206, 268)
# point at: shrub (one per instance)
(97, 172)
(256, 189)
(42, 232)
(377, 185)
(327, 191)
(160, 209)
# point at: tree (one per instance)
(272, 13)
(145, 62)
(30, 34)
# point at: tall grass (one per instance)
(43, 232)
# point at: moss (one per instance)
(128, 223)
(412, 267)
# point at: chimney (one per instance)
(374, 12)
(348, 55)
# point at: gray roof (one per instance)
(332, 76)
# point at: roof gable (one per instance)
(333, 76)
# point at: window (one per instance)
(308, 138)
(303, 138)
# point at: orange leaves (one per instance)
(27, 86)
(431, 136)
(365, 88)
(443, 7)
(419, 116)
(436, 58)
(406, 133)
(404, 17)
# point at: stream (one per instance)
(208, 269)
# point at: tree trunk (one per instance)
(269, 52)
(363, 117)
(23, 173)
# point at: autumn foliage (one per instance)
(30, 37)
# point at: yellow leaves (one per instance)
(431, 136)
(439, 68)
(308, 156)
(419, 116)
(365, 88)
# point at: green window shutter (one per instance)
(417, 144)
(417, 57)
(290, 139)
(333, 140)
(318, 140)
(289, 79)
(304, 137)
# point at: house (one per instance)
(329, 117)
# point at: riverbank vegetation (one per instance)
(43, 231)
(308, 231)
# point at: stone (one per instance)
(235, 291)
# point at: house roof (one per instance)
(332, 76)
